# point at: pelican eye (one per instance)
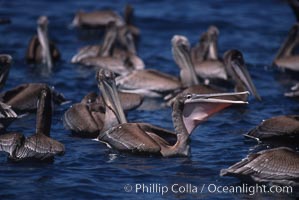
(189, 96)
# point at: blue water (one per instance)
(89, 170)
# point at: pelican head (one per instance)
(126, 38)
(42, 33)
(195, 108)
(5, 63)
(212, 34)
(106, 83)
(182, 56)
(291, 40)
(236, 67)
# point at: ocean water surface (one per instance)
(89, 170)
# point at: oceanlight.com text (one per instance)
(156, 188)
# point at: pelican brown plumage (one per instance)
(153, 83)
(117, 53)
(276, 128)
(273, 166)
(285, 58)
(40, 49)
(98, 50)
(38, 146)
(101, 19)
(24, 97)
(205, 58)
(235, 66)
(87, 118)
(146, 138)
(97, 19)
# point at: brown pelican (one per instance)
(97, 19)
(205, 56)
(279, 127)
(98, 50)
(86, 119)
(38, 146)
(109, 55)
(236, 68)
(100, 19)
(145, 138)
(274, 166)
(285, 58)
(24, 97)
(152, 83)
(40, 50)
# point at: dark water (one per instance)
(89, 170)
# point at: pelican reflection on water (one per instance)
(145, 138)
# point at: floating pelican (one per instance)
(38, 146)
(87, 118)
(236, 68)
(285, 58)
(274, 166)
(98, 50)
(23, 98)
(101, 19)
(152, 83)
(145, 138)
(97, 19)
(109, 55)
(205, 56)
(40, 49)
(279, 127)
